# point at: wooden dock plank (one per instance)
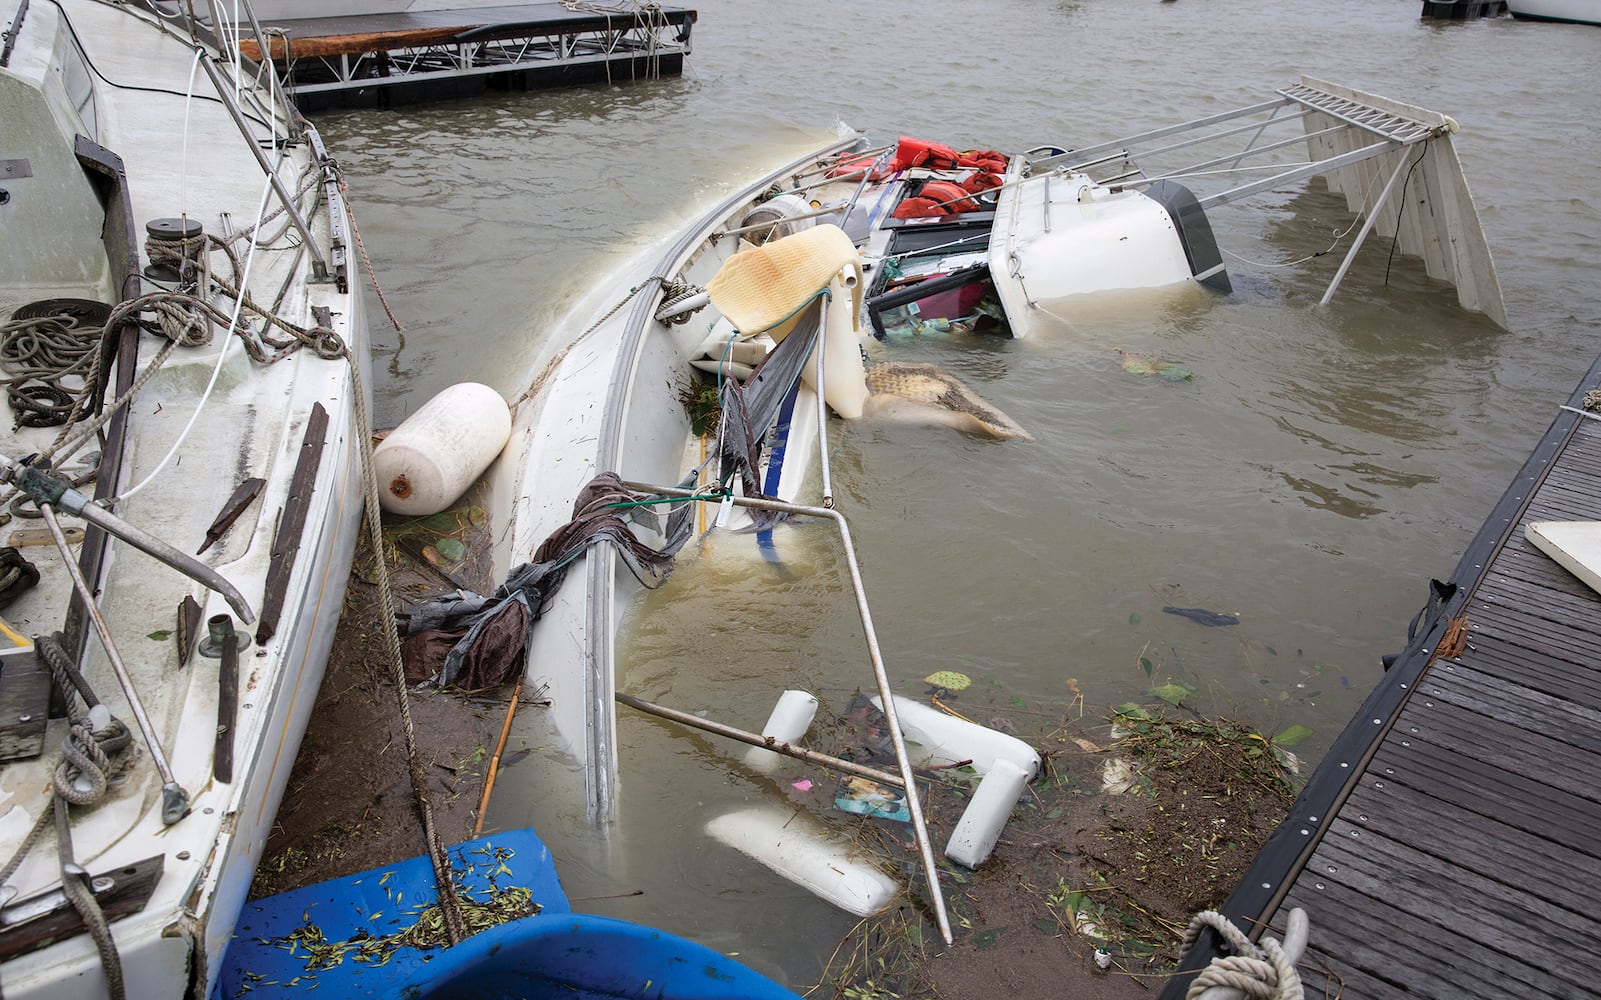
(1475, 785)
(1410, 806)
(1488, 925)
(1355, 928)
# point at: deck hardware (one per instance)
(174, 798)
(45, 488)
(220, 636)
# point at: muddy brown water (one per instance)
(1322, 465)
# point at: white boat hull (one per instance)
(1571, 11)
(207, 420)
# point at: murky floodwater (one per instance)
(1323, 464)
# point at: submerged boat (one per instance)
(783, 304)
(184, 355)
(374, 934)
(1567, 11)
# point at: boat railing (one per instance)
(875, 656)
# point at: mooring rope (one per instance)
(1262, 973)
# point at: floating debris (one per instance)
(1203, 616)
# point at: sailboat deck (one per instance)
(1447, 844)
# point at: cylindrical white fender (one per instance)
(986, 814)
(844, 378)
(945, 739)
(430, 460)
(798, 849)
(790, 719)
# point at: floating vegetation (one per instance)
(703, 404)
(1136, 365)
(426, 931)
(1113, 847)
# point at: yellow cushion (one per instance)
(761, 287)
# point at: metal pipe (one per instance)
(821, 349)
(174, 799)
(1367, 227)
(772, 223)
(913, 801)
(319, 265)
(46, 489)
(755, 740)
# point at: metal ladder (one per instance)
(1388, 125)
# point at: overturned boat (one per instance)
(783, 306)
(184, 353)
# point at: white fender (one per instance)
(986, 814)
(844, 378)
(790, 719)
(945, 739)
(430, 460)
(795, 847)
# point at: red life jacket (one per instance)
(953, 196)
(922, 153)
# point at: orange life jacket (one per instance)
(922, 153)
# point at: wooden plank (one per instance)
(1495, 927)
(1405, 807)
(292, 523)
(1530, 755)
(1506, 701)
(1477, 786)
(1558, 678)
(1552, 639)
(360, 43)
(1353, 924)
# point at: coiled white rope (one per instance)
(1265, 972)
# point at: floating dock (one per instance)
(1447, 845)
(382, 60)
(1463, 10)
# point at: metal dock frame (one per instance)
(388, 59)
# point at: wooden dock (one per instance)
(381, 60)
(1449, 845)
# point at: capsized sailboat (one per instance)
(183, 350)
(783, 305)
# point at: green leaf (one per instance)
(1134, 618)
(1292, 736)
(452, 549)
(1132, 711)
(1150, 668)
(1175, 373)
(161, 636)
(1172, 692)
(986, 940)
(440, 522)
(1045, 925)
(950, 680)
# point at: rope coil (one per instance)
(1265, 972)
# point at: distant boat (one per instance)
(371, 935)
(1568, 11)
(180, 345)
